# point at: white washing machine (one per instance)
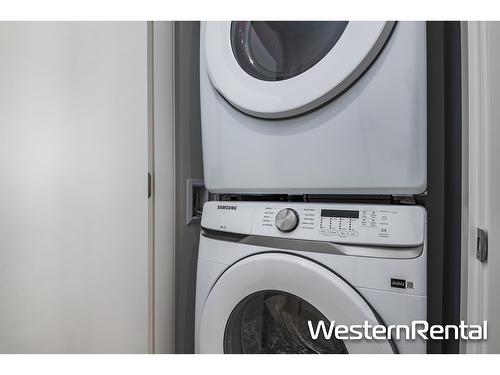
(314, 107)
(266, 269)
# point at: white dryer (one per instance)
(266, 269)
(314, 107)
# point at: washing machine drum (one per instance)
(273, 69)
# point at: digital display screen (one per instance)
(340, 213)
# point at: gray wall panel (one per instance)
(189, 164)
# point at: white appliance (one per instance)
(266, 268)
(314, 107)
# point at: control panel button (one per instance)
(287, 220)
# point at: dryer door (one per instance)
(274, 69)
(266, 302)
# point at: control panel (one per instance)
(383, 225)
(350, 223)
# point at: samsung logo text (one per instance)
(226, 207)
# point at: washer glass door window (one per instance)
(276, 322)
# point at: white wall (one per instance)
(482, 181)
(73, 187)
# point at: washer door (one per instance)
(263, 303)
(274, 69)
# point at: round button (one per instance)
(287, 220)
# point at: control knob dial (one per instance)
(287, 220)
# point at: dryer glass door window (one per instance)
(276, 322)
(273, 69)
(277, 50)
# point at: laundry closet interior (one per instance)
(316, 140)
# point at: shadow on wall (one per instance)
(189, 164)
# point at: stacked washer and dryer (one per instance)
(311, 109)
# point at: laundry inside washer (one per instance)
(277, 322)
